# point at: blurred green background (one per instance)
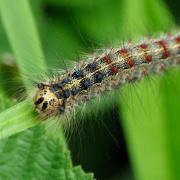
(135, 135)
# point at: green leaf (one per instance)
(144, 17)
(5, 102)
(104, 22)
(54, 51)
(151, 126)
(23, 37)
(16, 119)
(32, 155)
(171, 114)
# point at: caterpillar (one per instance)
(105, 72)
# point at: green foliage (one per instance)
(16, 119)
(32, 155)
(23, 38)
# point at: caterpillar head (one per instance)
(46, 102)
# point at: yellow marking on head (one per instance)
(46, 103)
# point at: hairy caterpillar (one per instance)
(101, 73)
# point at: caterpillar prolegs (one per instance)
(107, 71)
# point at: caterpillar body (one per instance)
(108, 71)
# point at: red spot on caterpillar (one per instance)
(165, 53)
(123, 51)
(130, 62)
(177, 39)
(125, 55)
(114, 69)
(107, 59)
(143, 46)
(147, 57)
